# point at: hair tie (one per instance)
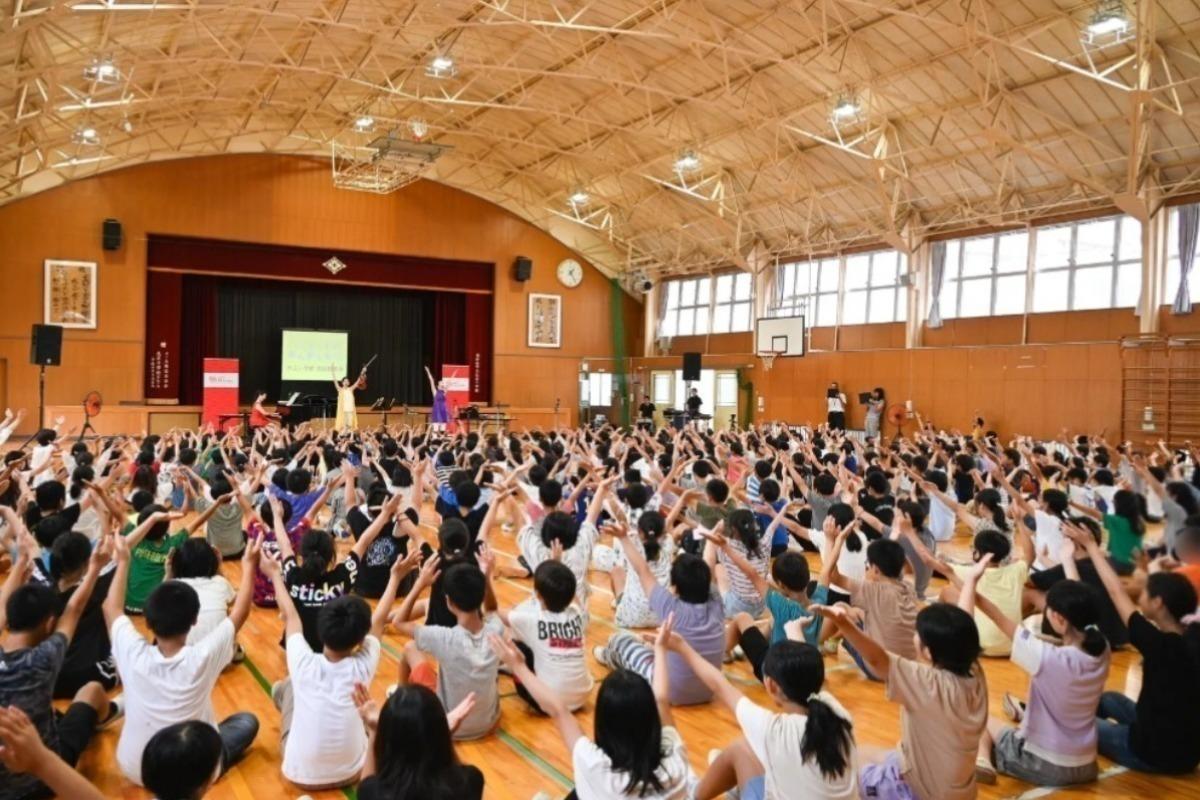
(1092, 627)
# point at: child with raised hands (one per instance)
(699, 618)
(1055, 743)
(803, 747)
(943, 699)
(786, 597)
(637, 751)
(323, 741)
(1157, 732)
(465, 663)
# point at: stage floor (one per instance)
(136, 418)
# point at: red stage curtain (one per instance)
(198, 339)
(449, 331)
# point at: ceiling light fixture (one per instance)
(845, 108)
(1109, 19)
(86, 136)
(102, 70)
(441, 66)
(578, 197)
(419, 128)
(364, 124)
(126, 125)
(687, 162)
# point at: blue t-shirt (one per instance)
(784, 610)
(780, 539)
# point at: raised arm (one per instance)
(114, 601)
(1112, 584)
(385, 515)
(283, 598)
(635, 558)
(872, 653)
(547, 699)
(709, 675)
(241, 604)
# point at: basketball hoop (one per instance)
(768, 359)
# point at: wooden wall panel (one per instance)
(275, 200)
(1183, 323)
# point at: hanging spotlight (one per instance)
(1108, 20)
(441, 66)
(126, 125)
(102, 71)
(579, 197)
(86, 136)
(687, 162)
(364, 124)
(845, 108)
(418, 127)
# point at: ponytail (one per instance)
(1094, 641)
(1077, 604)
(651, 525)
(316, 550)
(828, 736)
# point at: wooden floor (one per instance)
(526, 756)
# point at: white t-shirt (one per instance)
(327, 743)
(837, 403)
(595, 779)
(41, 455)
(941, 520)
(1047, 537)
(578, 557)
(775, 739)
(216, 594)
(851, 564)
(161, 691)
(557, 641)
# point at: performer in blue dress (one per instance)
(440, 412)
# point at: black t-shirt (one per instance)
(375, 568)
(873, 505)
(646, 410)
(309, 597)
(1110, 621)
(90, 646)
(1165, 733)
(67, 517)
(438, 613)
(465, 784)
(694, 403)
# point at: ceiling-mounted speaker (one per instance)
(523, 268)
(110, 234)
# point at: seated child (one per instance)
(549, 629)
(465, 661)
(149, 547)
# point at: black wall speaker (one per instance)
(45, 345)
(691, 366)
(111, 234)
(523, 268)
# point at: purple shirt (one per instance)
(703, 627)
(1060, 720)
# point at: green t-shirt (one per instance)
(147, 566)
(1122, 539)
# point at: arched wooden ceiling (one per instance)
(974, 112)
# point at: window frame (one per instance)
(735, 301)
(1073, 266)
(809, 302)
(897, 285)
(953, 278)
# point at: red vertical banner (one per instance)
(220, 391)
(164, 310)
(457, 378)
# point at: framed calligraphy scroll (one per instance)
(70, 294)
(545, 320)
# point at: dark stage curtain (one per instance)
(398, 325)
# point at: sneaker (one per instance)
(239, 654)
(600, 654)
(738, 653)
(116, 710)
(1013, 708)
(276, 694)
(985, 773)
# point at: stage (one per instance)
(132, 419)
